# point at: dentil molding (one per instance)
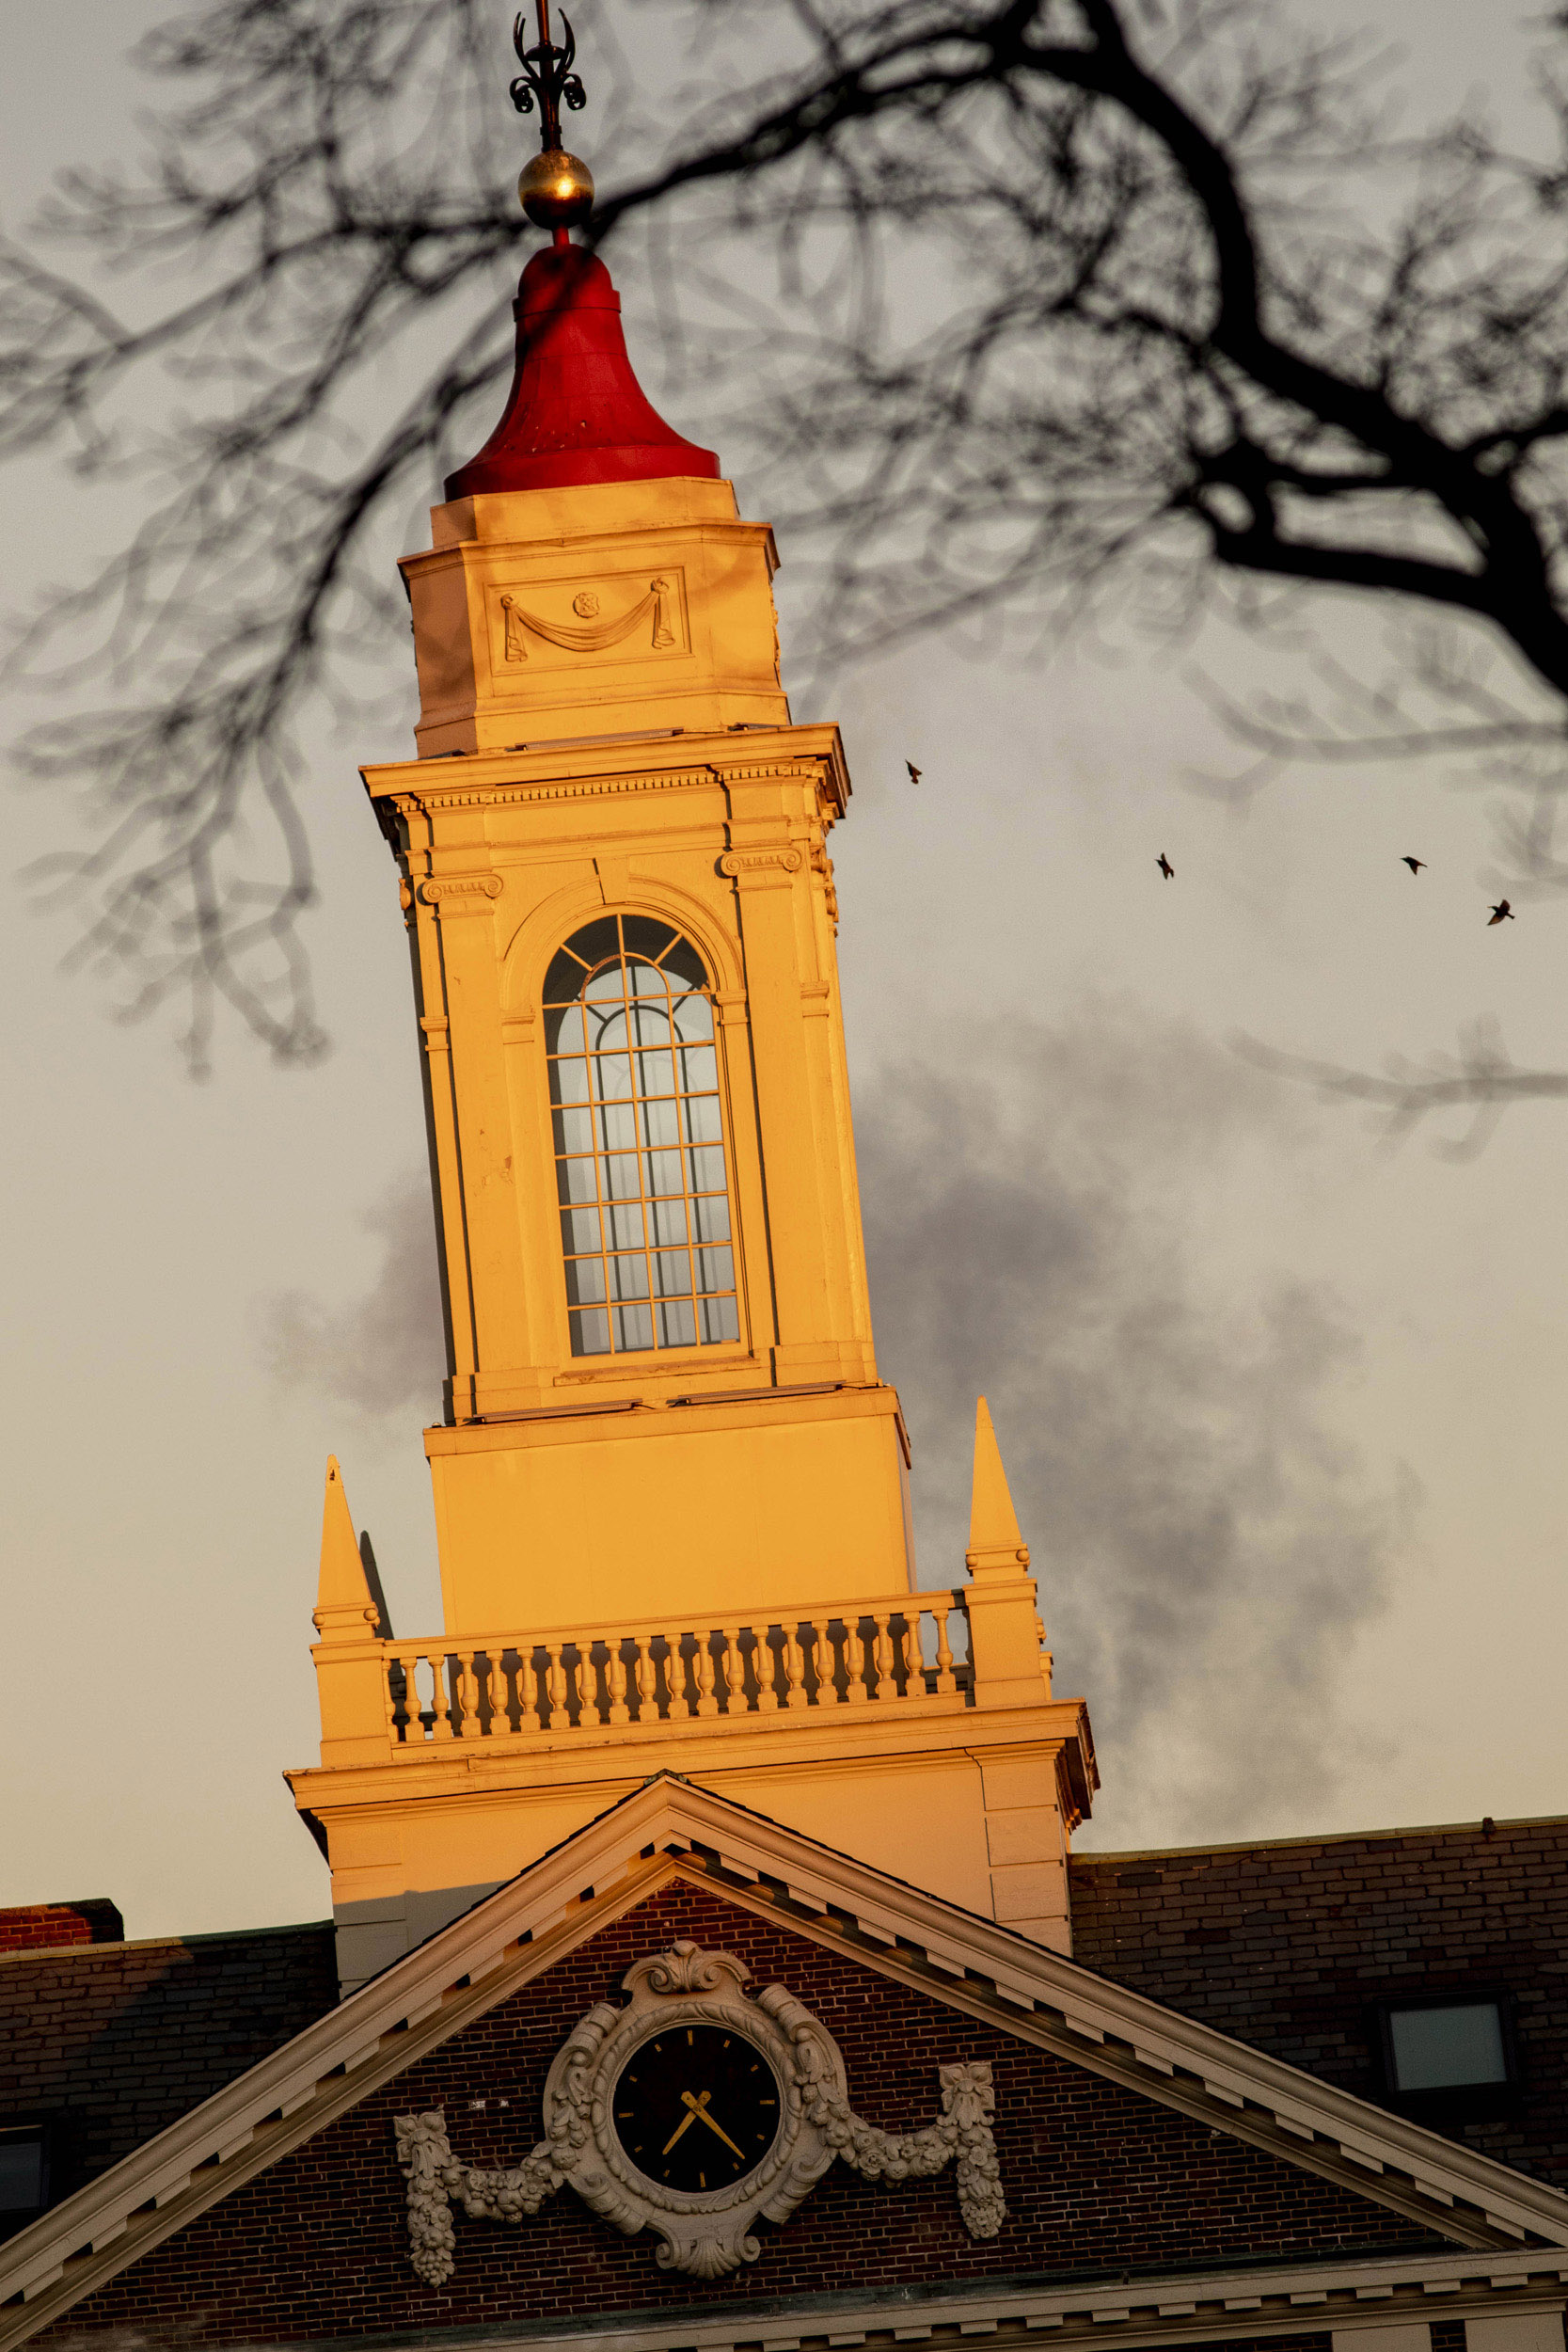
(676, 1996)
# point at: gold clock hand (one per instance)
(685, 2124)
(700, 2111)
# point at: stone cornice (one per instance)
(893, 1736)
(609, 766)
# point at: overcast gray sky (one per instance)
(1283, 1410)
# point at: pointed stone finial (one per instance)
(996, 1548)
(344, 1603)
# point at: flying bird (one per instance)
(1165, 864)
(1501, 912)
(916, 773)
(1414, 864)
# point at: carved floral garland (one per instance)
(961, 2135)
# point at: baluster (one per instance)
(854, 1662)
(896, 1680)
(732, 1659)
(498, 1696)
(905, 1652)
(645, 1675)
(615, 1677)
(391, 1667)
(767, 1668)
(818, 1648)
(527, 1691)
(706, 1703)
(674, 1678)
(794, 1668)
(465, 1693)
(946, 1680)
(961, 1604)
(882, 1684)
(440, 1708)
(555, 1684)
(578, 1693)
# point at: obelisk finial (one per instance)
(556, 189)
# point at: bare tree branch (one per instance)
(1481, 1080)
(1110, 307)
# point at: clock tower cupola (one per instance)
(671, 1485)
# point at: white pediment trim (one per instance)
(1338, 2296)
(669, 1827)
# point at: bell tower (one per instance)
(670, 1489)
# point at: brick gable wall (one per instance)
(1288, 1947)
(110, 2044)
(1097, 2178)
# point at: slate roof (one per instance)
(1290, 1944)
(109, 2044)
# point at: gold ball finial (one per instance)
(555, 189)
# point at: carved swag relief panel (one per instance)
(654, 619)
(694, 2111)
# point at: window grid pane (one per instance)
(640, 1153)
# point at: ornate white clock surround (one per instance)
(709, 2233)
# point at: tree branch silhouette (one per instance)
(1481, 1080)
(1111, 303)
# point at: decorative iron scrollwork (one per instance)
(547, 76)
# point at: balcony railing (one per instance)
(521, 1686)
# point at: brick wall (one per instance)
(31, 1926)
(1097, 2178)
(1287, 1945)
(110, 2044)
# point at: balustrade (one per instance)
(522, 1686)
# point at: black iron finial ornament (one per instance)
(547, 76)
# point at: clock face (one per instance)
(696, 2107)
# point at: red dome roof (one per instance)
(575, 412)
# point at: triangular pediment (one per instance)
(1110, 2110)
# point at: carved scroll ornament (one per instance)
(739, 862)
(597, 635)
(441, 889)
(707, 2233)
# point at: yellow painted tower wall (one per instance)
(694, 1558)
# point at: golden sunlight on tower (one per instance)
(671, 1491)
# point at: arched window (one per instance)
(640, 1150)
